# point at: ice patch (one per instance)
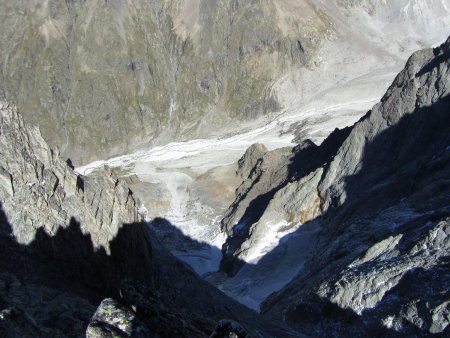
(256, 281)
(273, 234)
(203, 154)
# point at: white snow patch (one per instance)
(255, 282)
(273, 233)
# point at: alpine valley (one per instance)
(224, 168)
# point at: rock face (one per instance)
(249, 160)
(42, 197)
(271, 196)
(69, 241)
(379, 194)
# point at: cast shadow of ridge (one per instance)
(67, 261)
(67, 266)
(201, 257)
(137, 270)
(73, 253)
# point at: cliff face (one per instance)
(377, 194)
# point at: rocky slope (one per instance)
(69, 241)
(376, 194)
(136, 68)
(104, 77)
(41, 196)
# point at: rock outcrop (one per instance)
(69, 241)
(43, 199)
(271, 195)
(113, 319)
(378, 192)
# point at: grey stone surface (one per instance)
(68, 241)
(249, 160)
(380, 193)
(113, 319)
(366, 280)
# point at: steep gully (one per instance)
(67, 241)
(171, 173)
(251, 276)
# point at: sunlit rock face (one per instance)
(34, 176)
(371, 202)
(104, 77)
(40, 194)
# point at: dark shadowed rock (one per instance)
(70, 241)
(14, 323)
(228, 329)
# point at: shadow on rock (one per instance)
(148, 288)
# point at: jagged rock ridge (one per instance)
(68, 241)
(378, 194)
(41, 193)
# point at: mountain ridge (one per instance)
(332, 233)
(374, 199)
